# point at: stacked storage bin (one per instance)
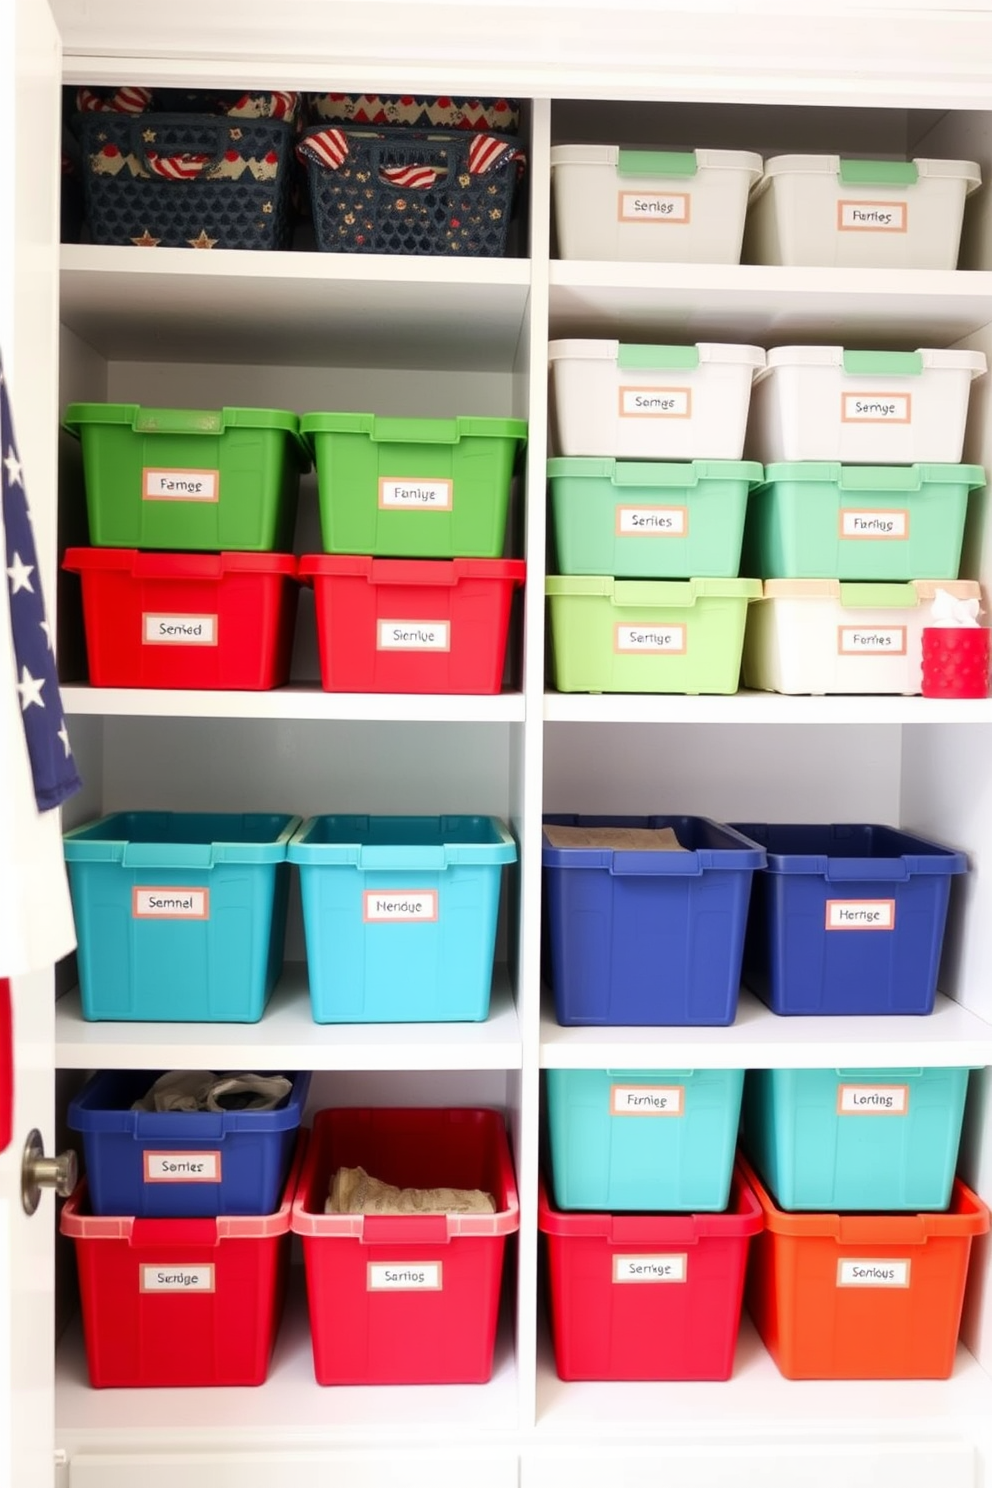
(190, 580)
(182, 1226)
(861, 516)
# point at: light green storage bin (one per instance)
(189, 480)
(650, 520)
(817, 520)
(640, 635)
(414, 488)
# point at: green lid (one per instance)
(877, 173)
(657, 163)
(883, 363)
(413, 430)
(651, 357)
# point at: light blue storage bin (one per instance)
(863, 1139)
(651, 1140)
(180, 916)
(400, 914)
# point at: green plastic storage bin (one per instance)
(195, 480)
(641, 635)
(413, 487)
(819, 520)
(650, 519)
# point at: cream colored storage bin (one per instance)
(651, 402)
(823, 211)
(655, 206)
(824, 636)
(862, 407)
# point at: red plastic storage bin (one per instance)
(648, 1296)
(862, 1296)
(176, 1302)
(410, 1299)
(218, 620)
(412, 625)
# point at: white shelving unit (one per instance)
(418, 337)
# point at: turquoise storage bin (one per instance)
(643, 1139)
(180, 916)
(400, 915)
(864, 1139)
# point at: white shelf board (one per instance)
(769, 306)
(756, 1402)
(759, 707)
(288, 1038)
(295, 309)
(293, 702)
(289, 1410)
(759, 1039)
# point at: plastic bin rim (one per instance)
(825, 165)
(662, 593)
(706, 159)
(410, 571)
(115, 414)
(414, 430)
(735, 352)
(301, 850)
(667, 472)
(909, 477)
(740, 1221)
(82, 1117)
(966, 1215)
(177, 566)
(75, 841)
(934, 859)
(934, 359)
(833, 589)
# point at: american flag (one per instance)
(52, 766)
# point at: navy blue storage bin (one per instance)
(847, 919)
(647, 938)
(245, 1154)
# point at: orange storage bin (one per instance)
(861, 1296)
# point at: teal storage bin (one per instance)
(862, 1139)
(651, 1140)
(650, 519)
(819, 520)
(400, 915)
(180, 916)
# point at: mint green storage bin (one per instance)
(862, 1139)
(649, 1140)
(650, 519)
(414, 487)
(643, 635)
(821, 520)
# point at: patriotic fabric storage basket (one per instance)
(411, 191)
(409, 112)
(214, 171)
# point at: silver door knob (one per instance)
(39, 1171)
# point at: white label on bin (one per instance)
(876, 408)
(399, 905)
(873, 1273)
(186, 1279)
(150, 902)
(652, 521)
(404, 1276)
(647, 1100)
(179, 630)
(655, 402)
(873, 1100)
(654, 638)
(414, 635)
(182, 1167)
(872, 216)
(650, 1268)
(654, 206)
(861, 914)
(398, 494)
(874, 525)
(180, 485)
(871, 640)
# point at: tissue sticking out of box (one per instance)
(950, 613)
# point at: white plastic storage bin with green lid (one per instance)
(191, 480)
(824, 636)
(813, 520)
(862, 407)
(825, 211)
(650, 519)
(657, 206)
(643, 635)
(651, 402)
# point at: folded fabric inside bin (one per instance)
(353, 1191)
(202, 1090)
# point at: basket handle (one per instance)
(186, 165)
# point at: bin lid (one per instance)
(874, 478)
(880, 175)
(886, 364)
(657, 473)
(413, 430)
(660, 163)
(633, 356)
(185, 421)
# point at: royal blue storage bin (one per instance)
(180, 916)
(400, 915)
(858, 1139)
(651, 1140)
(243, 1156)
(647, 938)
(847, 919)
